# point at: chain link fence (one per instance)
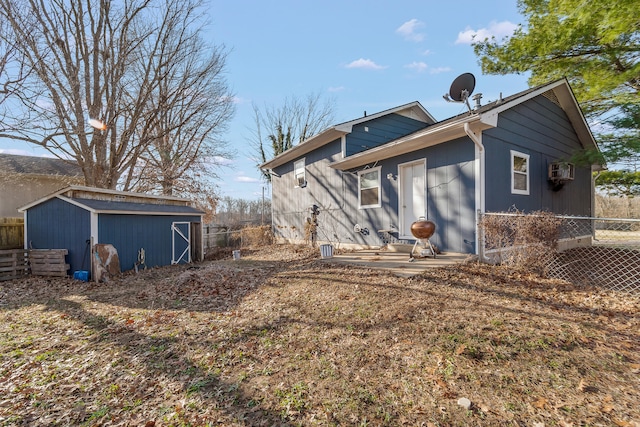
(603, 252)
(239, 238)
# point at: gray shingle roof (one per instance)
(105, 206)
(31, 165)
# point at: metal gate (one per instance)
(180, 242)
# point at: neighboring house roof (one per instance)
(119, 202)
(31, 165)
(412, 110)
(473, 122)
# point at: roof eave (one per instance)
(305, 147)
(427, 137)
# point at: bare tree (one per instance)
(277, 129)
(12, 68)
(109, 62)
(194, 106)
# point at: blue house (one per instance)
(372, 177)
(76, 218)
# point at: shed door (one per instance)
(413, 195)
(180, 242)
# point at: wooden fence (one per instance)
(11, 233)
(16, 263)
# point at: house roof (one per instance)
(100, 200)
(11, 163)
(482, 118)
(412, 110)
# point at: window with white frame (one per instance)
(369, 188)
(519, 173)
(299, 173)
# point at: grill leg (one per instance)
(413, 249)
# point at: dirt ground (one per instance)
(280, 337)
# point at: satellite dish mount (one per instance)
(461, 88)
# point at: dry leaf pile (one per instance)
(280, 337)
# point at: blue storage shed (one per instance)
(76, 218)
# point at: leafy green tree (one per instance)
(619, 182)
(595, 44)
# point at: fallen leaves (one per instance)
(280, 337)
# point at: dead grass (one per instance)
(282, 338)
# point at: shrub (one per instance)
(257, 236)
(522, 241)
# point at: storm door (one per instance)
(412, 193)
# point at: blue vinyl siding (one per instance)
(538, 127)
(450, 198)
(541, 129)
(129, 233)
(56, 224)
(380, 131)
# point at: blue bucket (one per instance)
(81, 275)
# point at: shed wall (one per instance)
(56, 224)
(129, 233)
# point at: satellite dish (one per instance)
(462, 87)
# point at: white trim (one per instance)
(297, 183)
(515, 190)
(401, 225)
(175, 230)
(93, 221)
(369, 170)
(480, 184)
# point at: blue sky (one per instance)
(364, 55)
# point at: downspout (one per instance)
(480, 185)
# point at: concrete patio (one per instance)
(397, 262)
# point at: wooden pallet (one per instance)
(48, 262)
(13, 264)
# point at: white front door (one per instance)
(412, 194)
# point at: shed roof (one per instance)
(112, 207)
(101, 200)
(32, 165)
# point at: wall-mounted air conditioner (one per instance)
(561, 171)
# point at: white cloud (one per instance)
(499, 30)
(244, 178)
(417, 66)
(220, 161)
(336, 89)
(367, 64)
(410, 30)
(427, 52)
(439, 70)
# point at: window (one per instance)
(519, 173)
(299, 173)
(369, 188)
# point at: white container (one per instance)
(326, 251)
(236, 254)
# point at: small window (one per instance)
(299, 173)
(519, 173)
(369, 188)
